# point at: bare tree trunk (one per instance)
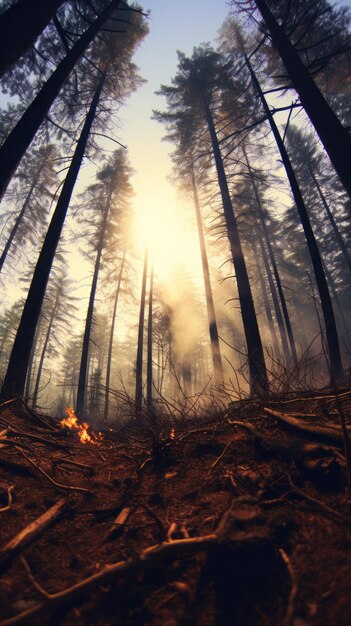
(149, 343)
(82, 381)
(139, 359)
(211, 314)
(262, 218)
(16, 372)
(336, 371)
(110, 346)
(267, 306)
(16, 144)
(277, 311)
(331, 132)
(257, 368)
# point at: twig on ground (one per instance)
(293, 591)
(31, 532)
(218, 460)
(58, 485)
(9, 499)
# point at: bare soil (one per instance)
(216, 523)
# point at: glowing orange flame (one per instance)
(172, 433)
(71, 421)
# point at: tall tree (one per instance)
(16, 372)
(20, 25)
(22, 135)
(332, 134)
(140, 348)
(112, 180)
(334, 355)
(193, 92)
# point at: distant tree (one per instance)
(33, 190)
(149, 374)
(108, 198)
(193, 92)
(59, 312)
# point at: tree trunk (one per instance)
(16, 144)
(212, 323)
(331, 132)
(20, 25)
(30, 364)
(43, 354)
(257, 368)
(110, 346)
(336, 372)
(16, 372)
(262, 218)
(267, 306)
(139, 359)
(277, 311)
(149, 379)
(82, 381)
(336, 231)
(18, 222)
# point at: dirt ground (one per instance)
(238, 519)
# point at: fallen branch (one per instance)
(51, 480)
(148, 558)
(31, 532)
(9, 499)
(333, 435)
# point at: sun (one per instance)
(170, 238)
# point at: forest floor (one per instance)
(239, 519)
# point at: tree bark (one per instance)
(20, 25)
(82, 381)
(257, 368)
(16, 372)
(331, 132)
(110, 346)
(139, 359)
(149, 379)
(16, 144)
(211, 314)
(336, 371)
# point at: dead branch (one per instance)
(9, 499)
(334, 435)
(218, 460)
(339, 516)
(32, 532)
(149, 558)
(58, 485)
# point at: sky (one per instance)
(173, 26)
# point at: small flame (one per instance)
(172, 434)
(71, 421)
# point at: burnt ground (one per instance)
(227, 523)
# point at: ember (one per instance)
(71, 421)
(172, 434)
